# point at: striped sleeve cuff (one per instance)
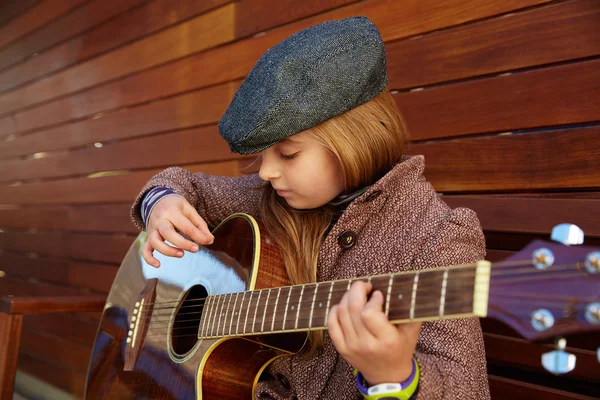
(151, 198)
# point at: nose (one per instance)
(268, 168)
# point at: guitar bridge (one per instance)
(140, 320)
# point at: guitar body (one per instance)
(147, 344)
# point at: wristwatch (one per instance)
(390, 391)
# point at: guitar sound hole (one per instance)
(184, 332)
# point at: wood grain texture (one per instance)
(11, 9)
(76, 22)
(131, 25)
(531, 215)
(174, 113)
(562, 95)
(524, 161)
(15, 286)
(35, 17)
(203, 32)
(70, 355)
(10, 336)
(75, 328)
(98, 190)
(93, 276)
(59, 376)
(505, 388)
(233, 61)
(110, 218)
(522, 40)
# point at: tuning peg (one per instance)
(568, 234)
(592, 262)
(559, 361)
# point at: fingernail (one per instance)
(179, 254)
(194, 248)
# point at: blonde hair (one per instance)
(367, 141)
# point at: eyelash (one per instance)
(288, 156)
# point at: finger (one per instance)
(158, 244)
(374, 319)
(345, 320)
(197, 220)
(357, 299)
(147, 255)
(335, 330)
(185, 226)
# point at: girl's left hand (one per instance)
(363, 335)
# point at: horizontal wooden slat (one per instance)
(203, 32)
(83, 18)
(11, 9)
(254, 16)
(531, 215)
(123, 29)
(61, 377)
(36, 17)
(562, 95)
(504, 388)
(201, 145)
(82, 246)
(541, 36)
(497, 255)
(233, 61)
(94, 276)
(69, 355)
(514, 162)
(98, 190)
(170, 114)
(520, 353)
(20, 287)
(70, 327)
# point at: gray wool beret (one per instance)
(310, 77)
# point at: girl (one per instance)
(340, 199)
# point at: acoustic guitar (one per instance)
(205, 326)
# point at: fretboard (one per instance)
(451, 292)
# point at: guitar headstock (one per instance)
(548, 288)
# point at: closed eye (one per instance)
(288, 156)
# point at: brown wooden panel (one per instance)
(11, 9)
(70, 381)
(98, 190)
(19, 287)
(550, 34)
(82, 246)
(94, 276)
(503, 388)
(514, 162)
(193, 146)
(166, 115)
(561, 95)
(70, 327)
(203, 32)
(497, 255)
(520, 353)
(233, 61)
(63, 353)
(531, 215)
(127, 27)
(85, 17)
(96, 218)
(36, 17)
(253, 16)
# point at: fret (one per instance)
(401, 297)
(256, 310)
(443, 294)
(286, 308)
(320, 305)
(459, 291)
(237, 325)
(216, 312)
(312, 305)
(389, 296)
(413, 298)
(221, 314)
(248, 311)
(328, 302)
(427, 304)
(226, 312)
(262, 325)
(275, 310)
(299, 304)
(233, 312)
(205, 315)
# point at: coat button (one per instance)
(347, 239)
(374, 195)
(283, 381)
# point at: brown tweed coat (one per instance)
(404, 226)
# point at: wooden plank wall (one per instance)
(503, 99)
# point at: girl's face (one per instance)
(302, 171)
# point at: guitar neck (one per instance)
(450, 292)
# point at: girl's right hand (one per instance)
(169, 214)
